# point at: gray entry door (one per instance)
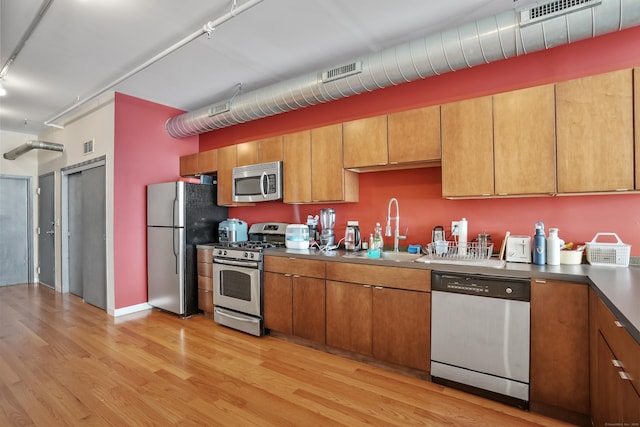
(87, 235)
(15, 235)
(46, 230)
(94, 236)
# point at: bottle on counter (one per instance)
(378, 242)
(554, 243)
(539, 245)
(463, 227)
(372, 252)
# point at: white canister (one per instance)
(554, 243)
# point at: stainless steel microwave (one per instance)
(257, 183)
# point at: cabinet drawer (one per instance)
(297, 266)
(205, 283)
(390, 277)
(624, 347)
(205, 269)
(205, 255)
(205, 300)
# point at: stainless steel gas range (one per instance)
(238, 278)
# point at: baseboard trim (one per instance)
(131, 309)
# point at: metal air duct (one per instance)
(503, 36)
(30, 145)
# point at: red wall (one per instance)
(419, 191)
(144, 153)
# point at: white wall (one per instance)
(25, 165)
(98, 124)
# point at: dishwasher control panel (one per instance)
(485, 286)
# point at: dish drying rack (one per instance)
(471, 251)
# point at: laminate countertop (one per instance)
(618, 287)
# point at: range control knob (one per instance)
(246, 254)
(509, 290)
(252, 255)
(225, 253)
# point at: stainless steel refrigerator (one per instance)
(180, 216)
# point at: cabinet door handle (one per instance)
(624, 375)
(617, 363)
(295, 276)
(540, 281)
(288, 275)
(618, 324)
(366, 286)
(378, 287)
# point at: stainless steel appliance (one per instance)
(480, 335)
(257, 183)
(232, 230)
(237, 278)
(179, 216)
(352, 236)
(328, 223)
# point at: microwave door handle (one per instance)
(264, 178)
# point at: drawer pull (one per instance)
(617, 363)
(540, 281)
(618, 324)
(624, 375)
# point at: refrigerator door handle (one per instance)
(173, 224)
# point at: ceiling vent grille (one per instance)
(553, 9)
(87, 147)
(341, 72)
(220, 108)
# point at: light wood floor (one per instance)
(66, 363)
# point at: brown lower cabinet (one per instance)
(205, 279)
(372, 315)
(559, 350)
(294, 295)
(615, 369)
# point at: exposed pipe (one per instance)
(206, 29)
(27, 34)
(30, 145)
(487, 40)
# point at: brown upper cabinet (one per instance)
(524, 143)
(408, 139)
(595, 133)
(296, 168)
(196, 164)
(247, 153)
(365, 142)
(260, 151)
(467, 148)
(414, 136)
(227, 158)
(313, 169)
(270, 149)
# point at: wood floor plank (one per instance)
(64, 362)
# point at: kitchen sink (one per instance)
(387, 256)
(399, 256)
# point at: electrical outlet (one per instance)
(455, 228)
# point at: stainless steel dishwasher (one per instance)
(480, 335)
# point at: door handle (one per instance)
(50, 232)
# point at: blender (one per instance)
(327, 222)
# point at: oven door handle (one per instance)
(236, 263)
(231, 316)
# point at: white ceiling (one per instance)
(81, 46)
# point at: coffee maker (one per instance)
(352, 236)
(327, 222)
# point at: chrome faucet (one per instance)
(396, 234)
